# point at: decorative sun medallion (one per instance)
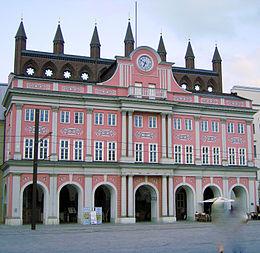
(84, 76)
(30, 71)
(197, 87)
(48, 72)
(67, 74)
(184, 86)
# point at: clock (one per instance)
(145, 63)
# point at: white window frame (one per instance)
(65, 148)
(152, 122)
(78, 118)
(99, 119)
(99, 150)
(41, 147)
(111, 119)
(65, 117)
(205, 155)
(152, 91)
(232, 156)
(28, 147)
(204, 126)
(139, 158)
(45, 114)
(112, 150)
(188, 124)
(216, 155)
(138, 121)
(138, 90)
(189, 154)
(153, 153)
(177, 153)
(215, 126)
(78, 150)
(177, 123)
(242, 157)
(30, 113)
(231, 128)
(240, 128)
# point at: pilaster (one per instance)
(18, 127)
(88, 157)
(224, 142)
(197, 140)
(54, 155)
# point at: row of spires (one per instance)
(58, 46)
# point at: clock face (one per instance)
(145, 63)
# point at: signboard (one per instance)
(99, 214)
(93, 218)
(86, 216)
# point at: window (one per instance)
(138, 90)
(231, 128)
(242, 156)
(29, 114)
(253, 128)
(204, 126)
(111, 120)
(64, 150)
(255, 151)
(231, 156)
(44, 116)
(78, 150)
(189, 154)
(99, 151)
(177, 153)
(111, 151)
(152, 153)
(152, 122)
(78, 117)
(151, 90)
(215, 155)
(43, 149)
(138, 121)
(205, 155)
(28, 148)
(65, 117)
(99, 118)
(188, 124)
(214, 126)
(139, 152)
(177, 124)
(240, 128)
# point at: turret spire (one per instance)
(95, 44)
(129, 40)
(21, 32)
(58, 42)
(216, 56)
(189, 57)
(217, 66)
(161, 49)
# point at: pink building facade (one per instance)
(137, 144)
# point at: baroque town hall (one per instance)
(135, 135)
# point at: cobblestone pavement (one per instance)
(180, 237)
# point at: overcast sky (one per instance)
(233, 24)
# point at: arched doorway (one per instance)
(210, 192)
(238, 193)
(27, 204)
(145, 204)
(68, 204)
(184, 203)
(105, 197)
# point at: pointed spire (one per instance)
(129, 35)
(95, 44)
(216, 56)
(21, 32)
(189, 57)
(58, 36)
(58, 42)
(161, 49)
(95, 38)
(129, 40)
(189, 52)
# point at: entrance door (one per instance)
(181, 204)
(27, 204)
(103, 199)
(68, 204)
(208, 194)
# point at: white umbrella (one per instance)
(217, 200)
